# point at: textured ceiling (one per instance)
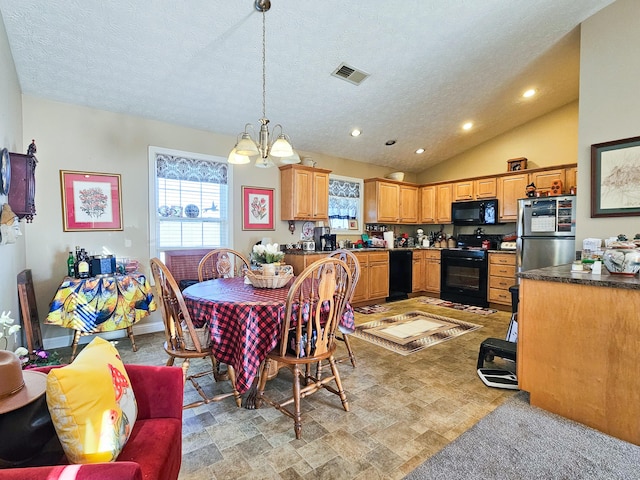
(433, 65)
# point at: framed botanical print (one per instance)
(615, 168)
(90, 201)
(258, 208)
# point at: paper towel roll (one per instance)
(388, 238)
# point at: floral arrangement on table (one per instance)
(269, 253)
(39, 358)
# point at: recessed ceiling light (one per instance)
(467, 126)
(355, 132)
(529, 93)
(388, 143)
(419, 151)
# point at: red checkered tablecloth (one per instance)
(245, 322)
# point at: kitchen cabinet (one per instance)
(502, 271)
(409, 204)
(444, 192)
(381, 201)
(571, 177)
(510, 189)
(485, 188)
(418, 272)
(432, 271)
(463, 191)
(374, 277)
(428, 204)
(543, 180)
(22, 189)
(304, 193)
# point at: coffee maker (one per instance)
(325, 241)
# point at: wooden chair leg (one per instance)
(232, 378)
(336, 375)
(297, 415)
(133, 340)
(74, 345)
(262, 382)
(352, 357)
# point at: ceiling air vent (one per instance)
(350, 74)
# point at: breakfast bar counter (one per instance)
(579, 347)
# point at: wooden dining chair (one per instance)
(354, 265)
(180, 333)
(222, 263)
(29, 313)
(315, 304)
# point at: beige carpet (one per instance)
(412, 331)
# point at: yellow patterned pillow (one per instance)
(92, 404)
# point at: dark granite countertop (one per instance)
(563, 274)
(374, 249)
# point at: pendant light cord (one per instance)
(264, 66)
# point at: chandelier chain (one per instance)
(264, 66)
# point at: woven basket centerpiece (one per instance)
(279, 279)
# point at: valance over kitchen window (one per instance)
(345, 204)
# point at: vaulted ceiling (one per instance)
(432, 65)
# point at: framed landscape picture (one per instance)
(257, 208)
(90, 201)
(615, 169)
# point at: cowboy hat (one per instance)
(17, 387)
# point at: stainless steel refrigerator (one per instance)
(546, 232)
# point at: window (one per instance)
(345, 204)
(190, 206)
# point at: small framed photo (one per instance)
(353, 224)
(90, 201)
(257, 208)
(614, 178)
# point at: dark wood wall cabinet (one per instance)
(22, 191)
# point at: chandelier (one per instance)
(265, 149)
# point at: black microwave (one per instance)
(476, 212)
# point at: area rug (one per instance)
(520, 441)
(457, 306)
(375, 308)
(412, 331)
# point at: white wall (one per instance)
(12, 257)
(609, 103)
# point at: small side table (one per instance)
(101, 304)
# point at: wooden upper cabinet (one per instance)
(304, 193)
(463, 191)
(444, 192)
(409, 204)
(571, 177)
(381, 201)
(485, 188)
(543, 180)
(510, 189)
(428, 204)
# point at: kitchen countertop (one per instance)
(563, 274)
(374, 249)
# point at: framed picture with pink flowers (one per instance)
(90, 201)
(257, 208)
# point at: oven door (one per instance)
(463, 279)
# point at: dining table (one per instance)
(244, 321)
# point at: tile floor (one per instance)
(403, 409)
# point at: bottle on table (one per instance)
(82, 265)
(71, 265)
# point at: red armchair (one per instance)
(154, 449)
